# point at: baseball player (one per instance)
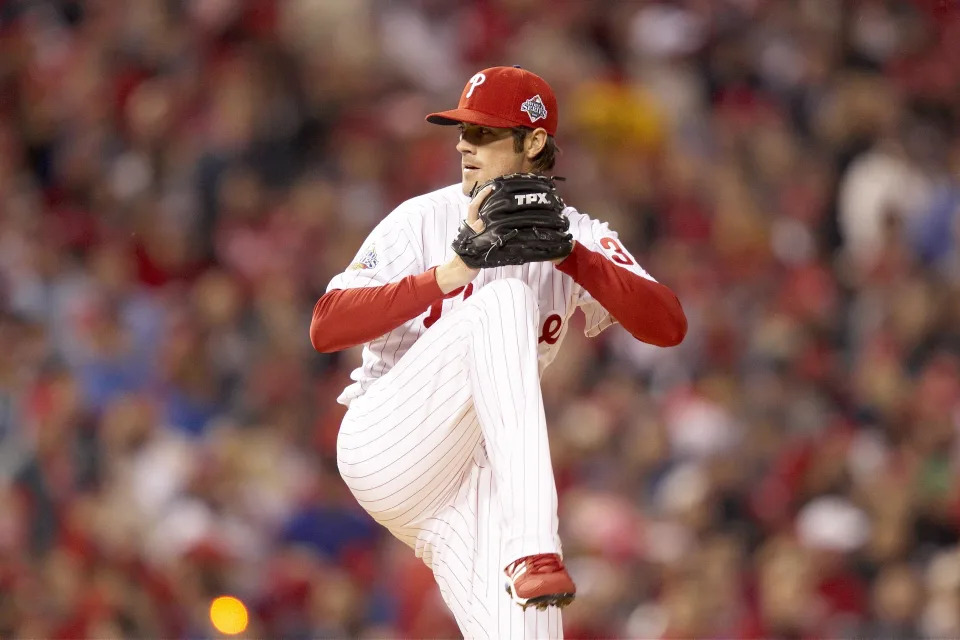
(444, 442)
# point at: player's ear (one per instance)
(534, 143)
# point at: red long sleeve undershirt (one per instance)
(647, 309)
(344, 318)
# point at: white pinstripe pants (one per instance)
(414, 451)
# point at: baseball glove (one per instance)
(522, 222)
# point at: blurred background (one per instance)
(179, 180)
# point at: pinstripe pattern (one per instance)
(410, 450)
(470, 529)
(445, 441)
(416, 236)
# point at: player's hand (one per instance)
(456, 273)
(559, 260)
(473, 209)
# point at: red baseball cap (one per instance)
(504, 97)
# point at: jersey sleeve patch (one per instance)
(368, 260)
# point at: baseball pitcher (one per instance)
(461, 297)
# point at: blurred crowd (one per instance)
(179, 180)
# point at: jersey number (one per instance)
(437, 307)
(619, 255)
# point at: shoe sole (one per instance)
(559, 600)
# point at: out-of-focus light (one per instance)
(228, 615)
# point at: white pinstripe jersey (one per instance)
(416, 236)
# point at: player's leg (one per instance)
(405, 449)
(405, 444)
(446, 541)
(463, 545)
(505, 380)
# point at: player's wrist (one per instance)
(454, 274)
(559, 260)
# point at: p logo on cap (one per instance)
(477, 80)
(511, 97)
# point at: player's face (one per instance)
(486, 153)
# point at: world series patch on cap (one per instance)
(504, 97)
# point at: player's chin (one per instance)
(474, 177)
(469, 181)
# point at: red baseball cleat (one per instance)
(541, 581)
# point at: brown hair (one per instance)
(543, 161)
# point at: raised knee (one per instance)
(512, 286)
(509, 291)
